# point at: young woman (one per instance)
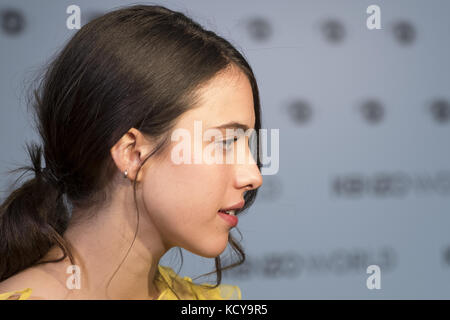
(111, 200)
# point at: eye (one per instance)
(227, 143)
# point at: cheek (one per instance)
(183, 199)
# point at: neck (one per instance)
(102, 243)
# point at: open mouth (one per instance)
(229, 216)
(229, 212)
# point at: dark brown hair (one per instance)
(137, 66)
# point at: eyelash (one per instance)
(228, 142)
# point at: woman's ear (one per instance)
(130, 152)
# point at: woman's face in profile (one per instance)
(183, 199)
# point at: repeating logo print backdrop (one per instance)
(363, 118)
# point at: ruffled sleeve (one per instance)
(173, 287)
(23, 294)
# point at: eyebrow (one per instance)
(233, 124)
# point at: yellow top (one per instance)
(184, 288)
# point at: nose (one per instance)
(248, 176)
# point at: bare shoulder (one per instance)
(43, 284)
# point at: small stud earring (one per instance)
(125, 174)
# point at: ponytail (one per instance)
(33, 219)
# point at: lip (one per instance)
(231, 220)
(238, 205)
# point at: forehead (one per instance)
(225, 98)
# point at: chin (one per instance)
(211, 250)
